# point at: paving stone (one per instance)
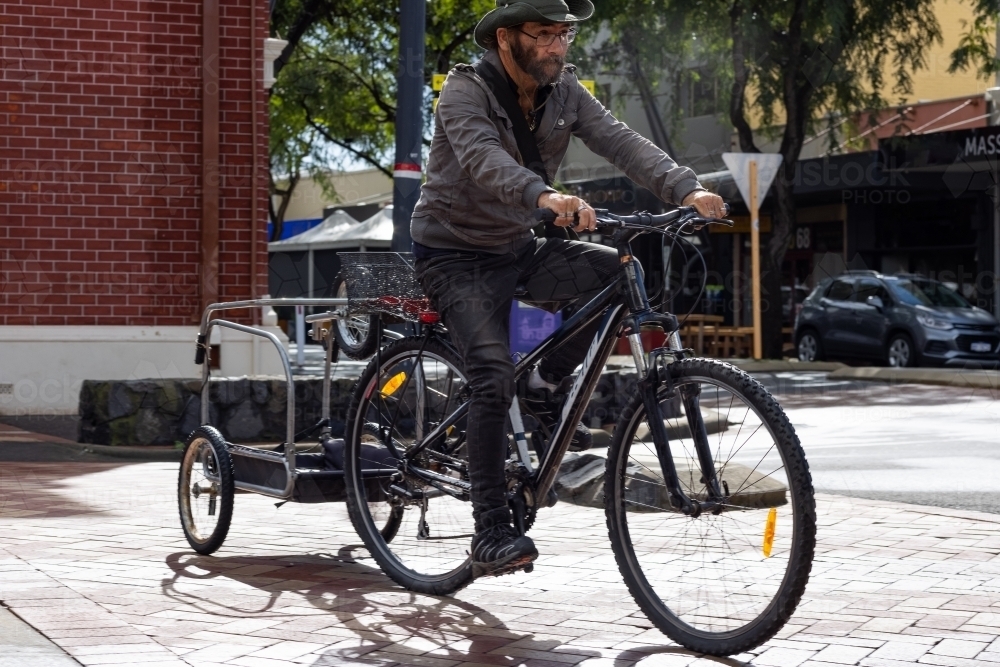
(99, 564)
(841, 655)
(958, 648)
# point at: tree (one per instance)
(334, 98)
(803, 59)
(792, 64)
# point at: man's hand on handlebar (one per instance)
(707, 204)
(569, 209)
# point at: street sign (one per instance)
(739, 167)
(589, 85)
(753, 173)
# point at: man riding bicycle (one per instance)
(472, 229)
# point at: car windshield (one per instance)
(925, 293)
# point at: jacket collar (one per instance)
(556, 94)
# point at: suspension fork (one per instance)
(649, 382)
(657, 375)
(648, 385)
(691, 397)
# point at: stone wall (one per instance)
(165, 411)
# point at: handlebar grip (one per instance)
(545, 215)
(199, 354)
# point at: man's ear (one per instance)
(502, 36)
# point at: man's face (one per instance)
(542, 63)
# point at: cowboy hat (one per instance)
(508, 13)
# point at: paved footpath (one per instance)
(92, 556)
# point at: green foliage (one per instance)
(795, 60)
(977, 45)
(334, 97)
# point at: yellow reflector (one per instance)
(390, 387)
(772, 518)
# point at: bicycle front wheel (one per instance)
(403, 394)
(727, 580)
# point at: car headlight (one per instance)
(932, 322)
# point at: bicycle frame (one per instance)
(622, 307)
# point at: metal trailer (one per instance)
(212, 469)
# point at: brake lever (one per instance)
(697, 224)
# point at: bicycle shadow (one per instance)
(377, 613)
(700, 659)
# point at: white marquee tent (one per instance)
(306, 264)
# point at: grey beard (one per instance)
(535, 67)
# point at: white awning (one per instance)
(341, 231)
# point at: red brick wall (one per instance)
(100, 160)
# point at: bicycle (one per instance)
(708, 497)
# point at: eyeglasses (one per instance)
(548, 38)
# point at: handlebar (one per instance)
(607, 220)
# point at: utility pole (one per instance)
(409, 121)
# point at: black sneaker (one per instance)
(547, 406)
(500, 550)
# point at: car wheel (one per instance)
(809, 347)
(900, 352)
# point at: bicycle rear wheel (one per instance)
(725, 582)
(401, 396)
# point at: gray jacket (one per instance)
(477, 188)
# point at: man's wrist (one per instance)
(685, 188)
(533, 192)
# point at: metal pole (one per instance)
(758, 351)
(300, 336)
(409, 121)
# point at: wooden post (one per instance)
(737, 279)
(755, 261)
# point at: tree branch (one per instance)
(390, 111)
(443, 61)
(311, 11)
(346, 146)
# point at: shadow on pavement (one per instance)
(375, 610)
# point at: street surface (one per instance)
(922, 444)
(93, 557)
(929, 445)
(94, 569)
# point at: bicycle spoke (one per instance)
(711, 573)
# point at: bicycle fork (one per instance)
(690, 398)
(649, 381)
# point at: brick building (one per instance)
(133, 185)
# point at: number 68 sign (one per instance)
(803, 238)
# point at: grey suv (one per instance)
(902, 320)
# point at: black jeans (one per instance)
(473, 292)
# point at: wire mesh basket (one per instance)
(384, 283)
